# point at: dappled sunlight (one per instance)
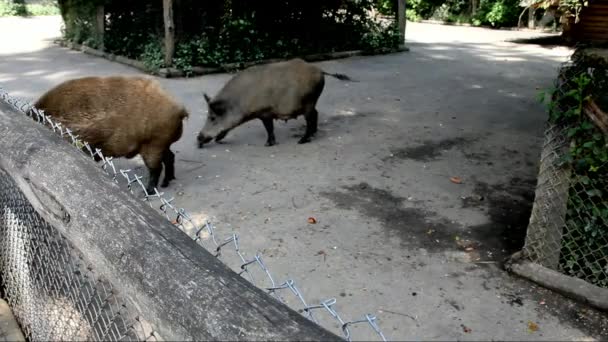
(509, 93)
(443, 57)
(346, 112)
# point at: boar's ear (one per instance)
(207, 98)
(218, 107)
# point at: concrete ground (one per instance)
(394, 236)
(9, 329)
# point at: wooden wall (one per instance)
(593, 24)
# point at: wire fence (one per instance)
(568, 230)
(251, 267)
(50, 287)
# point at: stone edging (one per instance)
(523, 29)
(198, 71)
(574, 288)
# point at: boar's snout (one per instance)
(202, 140)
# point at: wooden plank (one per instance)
(599, 117)
(169, 31)
(184, 291)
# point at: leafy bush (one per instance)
(497, 13)
(379, 38)
(585, 237)
(424, 8)
(13, 7)
(235, 31)
(386, 7)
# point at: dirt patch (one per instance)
(509, 207)
(430, 150)
(414, 226)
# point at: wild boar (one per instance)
(283, 91)
(123, 117)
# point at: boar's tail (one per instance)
(341, 77)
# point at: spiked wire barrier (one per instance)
(56, 295)
(568, 229)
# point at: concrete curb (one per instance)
(199, 71)
(523, 29)
(574, 288)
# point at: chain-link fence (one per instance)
(251, 267)
(50, 287)
(568, 230)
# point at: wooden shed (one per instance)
(593, 23)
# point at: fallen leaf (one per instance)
(431, 231)
(542, 302)
(466, 329)
(174, 222)
(312, 220)
(532, 327)
(468, 249)
(456, 180)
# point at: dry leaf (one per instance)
(466, 329)
(456, 180)
(312, 220)
(468, 249)
(532, 327)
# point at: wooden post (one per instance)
(100, 26)
(401, 20)
(169, 31)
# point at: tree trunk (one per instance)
(401, 19)
(100, 27)
(169, 31)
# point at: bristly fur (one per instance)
(122, 116)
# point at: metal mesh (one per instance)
(228, 249)
(53, 292)
(568, 230)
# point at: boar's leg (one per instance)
(312, 118)
(169, 163)
(268, 124)
(153, 159)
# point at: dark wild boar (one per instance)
(282, 91)
(123, 117)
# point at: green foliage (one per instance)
(13, 8)
(497, 13)
(152, 55)
(79, 21)
(386, 7)
(585, 244)
(49, 8)
(424, 9)
(235, 31)
(379, 38)
(412, 15)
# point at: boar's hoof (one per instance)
(202, 140)
(270, 142)
(304, 140)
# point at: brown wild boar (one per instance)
(123, 117)
(283, 91)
